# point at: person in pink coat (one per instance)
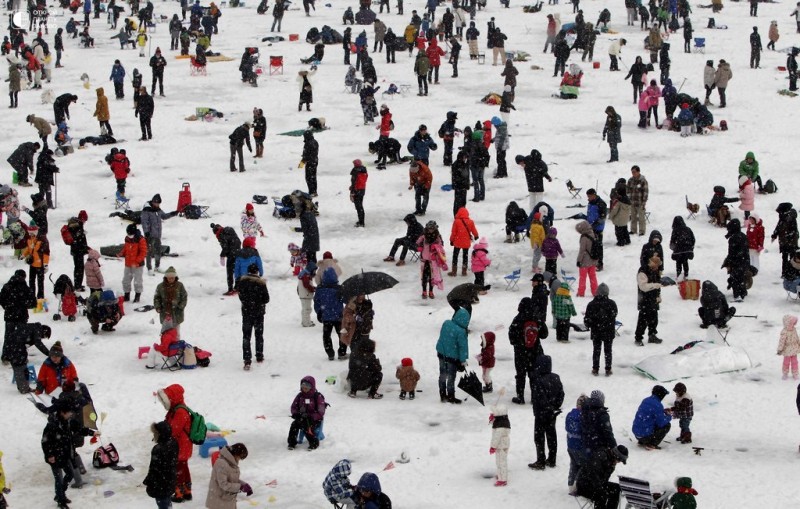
(480, 260)
(433, 259)
(747, 195)
(653, 93)
(94, 276)
(434, 53)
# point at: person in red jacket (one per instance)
(169, 337)
(358, 187)
(134, 250)
(462, 233)
(121, 166)
(487, 133)
(386, 122)
(755, 239)
(180, 422)
(551, 34)
(56, 370)
(434, 53)
(420, 179)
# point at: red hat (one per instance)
(249, 242)
(327, 255)
(83, 216)
(356, 162)
(407, 362)
(537, 216)
(684, 106)
(249, 206)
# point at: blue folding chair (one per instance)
(700, 44)
(512, 279)
(568, 279)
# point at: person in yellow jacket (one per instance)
(537, 235)
(3, 489)
(141, 41)
(102, 113)
(410, 35)
(37, 255)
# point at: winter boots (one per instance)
(654, 339)
(509, 239)
(686, 437)
(452, 272)
(183, 493)
(464, 270)
(487, 388)
(127, 297)
(519, 399)
(539, 465)
(137, 297)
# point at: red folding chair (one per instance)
(275, 65)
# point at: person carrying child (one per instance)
(563, 310)
(789, 346)
(501, 442)
(408, 377)
(305, 290)
(480, 260)
(486, 359)
(307, 410)
(683, 410)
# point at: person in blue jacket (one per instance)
(575, 442)
(651, 423)
(329, 306)
(421, 144)
(369, 495)
(247, 255)
(452, 349)
(361, 47)
(118, 77)
(596, 213)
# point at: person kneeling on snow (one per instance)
(714, 309)
(365, 371)
(652, 422)
(102, 310)
(166, 350)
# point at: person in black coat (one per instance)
(16, 298)
(593, 477)
(547, 394)
(540, 296)
(535, 173)
(515, 219)
(413, 232)
(390, 40)
(596, 430)
(364, 370)
(310, 160)
(738, 260)
(714, 309)
(681, 243)
(786, 234)
(158, 63)
(230, 244)
(61, 107)
(310, 230)
(238, 138)
(22, 161)
(648, 282)
(459, 175)
(561, 52)
(16, 352)
(525, 358)
(45, 169)
(664, 62)
(635, 72)
(254, 296)
(259, 130)
(601, 318)
(160, 480)
(653, 247)
(144, 110)
(39, 212)
(79, 247)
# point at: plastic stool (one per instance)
(210, 443)
(317, 431)
(31, 375)
(143, 350)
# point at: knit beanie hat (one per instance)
(598, 396)
(327, 255)
(406, 362)
(660, 391)
(131, 229)
(156, 199)
(57, 350)
(171, 272)
(248, 207)
(249, 242)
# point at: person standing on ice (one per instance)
(547, 395)
(501, 442)
(160, 479)
(250, 225)
(180, 422)
(144, 110)
(612, 132)
(230, 244)
(152, 220)
(238, 138)
(358, 188)
(309, 161)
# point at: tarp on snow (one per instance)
(703, 358)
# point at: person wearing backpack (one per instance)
(525, 334)
(179, 419)
(160, 480)
(587, 258)
(547, 394)
(308, 411)
(78, 246)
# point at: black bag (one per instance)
(192, 212)
(595, 250)
(770, 187)
(260, 199)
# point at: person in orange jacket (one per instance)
(37, 255)
(420, 179)
(56, 371)
(462, 234)
(134, 250)
(434, 53)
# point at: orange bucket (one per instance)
(294, 37)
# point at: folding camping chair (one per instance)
(414, 254)
(196, 69)
(617, 327)
(583, 503)
(568, 279)
(195, 211)
(638, 495)
(174, 361)
(120, 201)
(512, 279)
(647, 216)
(693, 208)
(575, 192)
(275, 65)
(700, 44)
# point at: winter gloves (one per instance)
(246, 489)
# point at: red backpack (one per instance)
(66, 235)
(530, 331)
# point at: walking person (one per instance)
(145, 108)
(134, 251)
(180, 423)
(721, 78)
(547, 394)
(587, 264)
(462, 233)
(254, 296)
(600, 318)
(358, 188)
(329, 307)
(225, 485)
(160, 479)
(420, 179)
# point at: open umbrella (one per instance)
(470, 384)
(366, 283)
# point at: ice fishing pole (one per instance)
(682, 84)
(745, 316)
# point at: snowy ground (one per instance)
(747, 420)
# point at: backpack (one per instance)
(594, 251)
(770, 187)
(198, 428)
(66, 235)
(192, 212)
(105, 456)
(530, 332)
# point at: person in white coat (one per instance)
(501, 442)
(614, 51)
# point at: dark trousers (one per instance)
(433, 72)
(753, 9)
(62, 475)
(11, 327)
(427, 281)
(144, 123)
(237, 149)
(562, 329)
(479, 279)
(623, 237)
(422, 81)
(447, 160)
(599, 235)
(647, 320)
(377, 47)
(303, 424)
(551, 265)
(614, 65)
(46, 191)
(372, 384)
(755, 57)
(606, 346)
(520, 371)
(358, 201)
(157, 77)
(459, 199)
(735, 281)
(502, 169)
(347, 56)
(447, 377)
(58, 57)
(327, 342)
(642, 119)
(721, 92)
(454, 61)
(21, 377)
(653, 111)
(405, 244)
(464, 257)
(153, 251)
(250, 323)
(78, 262)
(13, 99)
(559, 67)
(606, 497)
(119, 90)
(544, 428)
(311, 177)
(390, 52)
(36, 274)
(657, 436)
(708, 91)
(614, 151)
(682, 264)
(421, 196)
(230, 265)
(664, 74)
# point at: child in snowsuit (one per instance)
(486, 359)
(408, 377)
(684, 498)
(121, 166)
(789, 346)
(563, 310)
(686, 120)
(755, 239)
(537, 235)
(551, 250)
(683, 410)
(250, 225)
(94, 276)
(308, 410)
(501, 442)
(337, 487)
(480, 260)
(297, 259)
(306, 289)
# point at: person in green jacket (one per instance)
(452, 350)
(749, 167)
(170, 299)
(563, 310)
(684, 498)
(421, 66)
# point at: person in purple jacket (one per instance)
(308, 410)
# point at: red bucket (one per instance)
(294, 37)
(595, 65)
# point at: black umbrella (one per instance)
(470, 384)
(366, 283)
